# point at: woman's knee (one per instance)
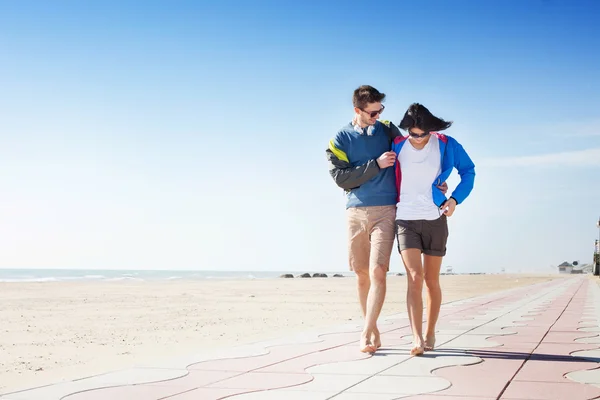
(415, 281)
(432, 281)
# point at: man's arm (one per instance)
(390, 129)
(344, 174)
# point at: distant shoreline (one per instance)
(100, 275)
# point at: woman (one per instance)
(425, 160)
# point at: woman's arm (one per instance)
(466, 171)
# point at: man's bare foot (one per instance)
(376, 338)
(366, 346)
(430, 343)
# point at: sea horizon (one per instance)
(23, 275)
(8, 275)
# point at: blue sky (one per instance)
(191, 135)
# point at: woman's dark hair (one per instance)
(418, 116)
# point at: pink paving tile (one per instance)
(204, 394)
(508, 340)
(552, 349)
(549, 391)
(553, 371)
(566, 337)
(535, 330)
(486, 379)
(338, 337)
(395, 324)
(276, 354)
(262, 381)
(434, 396)
(137, 392)
(245, 364)
(300, 364)
(503, 353)
(566, 326)
(523, 350)
(392, 341)
(541, 322)
(193, 380)
(196, 379)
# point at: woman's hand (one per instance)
(450, 206)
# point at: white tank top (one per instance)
(419, 170)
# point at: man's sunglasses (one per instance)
(373, 114)
(417, 135)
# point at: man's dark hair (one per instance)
(418, 116)
(366, 94)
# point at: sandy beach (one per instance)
(56, 331)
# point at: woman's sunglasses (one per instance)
(418, 136)
(373, 114)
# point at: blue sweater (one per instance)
(360, 149)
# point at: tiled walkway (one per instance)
(536, 342)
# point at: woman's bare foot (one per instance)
(376, 338)
(418, 348)
(430, 343)
(366, 346)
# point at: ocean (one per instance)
(65, 275)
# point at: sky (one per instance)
(192, 134)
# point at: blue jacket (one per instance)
(453, 156)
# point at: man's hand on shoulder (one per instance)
(387, 159)
(443, 187)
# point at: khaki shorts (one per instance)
(371, 233)
(428, 236)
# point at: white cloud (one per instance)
(585, 129)
(578, 158)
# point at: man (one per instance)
(360, 159)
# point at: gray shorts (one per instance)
(428, 236)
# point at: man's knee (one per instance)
(362, 274)
(378, 273)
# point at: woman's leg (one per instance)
(432, 265)
(435, 237)
(414, 299)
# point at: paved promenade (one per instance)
(536, 342)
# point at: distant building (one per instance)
(582, 269)
(565, 268)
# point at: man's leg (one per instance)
(359, 248)
(382, 241)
